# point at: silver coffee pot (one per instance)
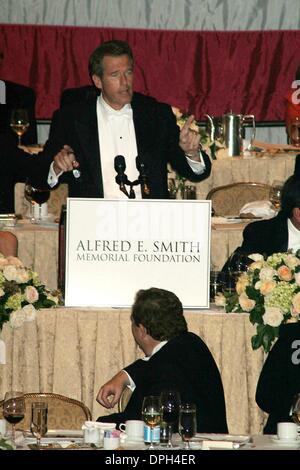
(229, 130)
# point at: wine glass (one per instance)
(275, 193)
(169, 408)
(36, 196)
(295, 410)
(19, 122)
(187, 423)
(14, 410)
(151, 414)
(38, 425)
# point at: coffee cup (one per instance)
(94, 431)
(287, 431)
(134, 429)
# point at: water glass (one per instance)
(187, 423)
(217, 283)
(39, 420)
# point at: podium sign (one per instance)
(116, 247)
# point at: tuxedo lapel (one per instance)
(87, 132)
(143, 127)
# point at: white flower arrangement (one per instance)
(270, 292)
(21, 293)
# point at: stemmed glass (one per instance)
(151, 414)
(14, 410)
(36, 196)
(38, 425)
(295, 410)
(275, 193)
(19, 122)
(187, 423)
(169, 408)
(237, 264)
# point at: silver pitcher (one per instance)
(229, 130)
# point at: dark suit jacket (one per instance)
(265, 237)
(16, 165)
(184, 364)
(19, 96)
(279, 380)
(157, 142)
(83, 94)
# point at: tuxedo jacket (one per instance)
(279, 380)
(184, 364)
(16, 166)
(265, 237)
(157, 137)
(19, 96)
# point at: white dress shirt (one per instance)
(294, 237)
(117, 137)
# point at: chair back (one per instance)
(124, 399)
(229, 199)
(58, 196)
(63, 412)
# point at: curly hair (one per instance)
(160, 312)
(113, 48)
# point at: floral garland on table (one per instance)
(21, 293)
(270, 292)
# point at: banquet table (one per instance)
(38, 246)
(260, 169)
(73, 351)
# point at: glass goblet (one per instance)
(39, 419)
(14, 410)
(151, 414)
(187, 423)
(169, 407)
(275, 193)
(295, 410)
(36, 196)
(19, 122)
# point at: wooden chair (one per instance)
(124, 399)
(58, 197)
(63, 412)
(229, 199)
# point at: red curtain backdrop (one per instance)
(198, 71)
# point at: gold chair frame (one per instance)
(63, 412)
(230, 198)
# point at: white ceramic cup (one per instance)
(2, 427)
(94, 431)
(134, 429)
(287, 431)
(111, 443)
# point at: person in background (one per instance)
(292, 104)
(175, 359)
(13, 96)
(279, 380)
(282, 232)
(119, 122)
(8, 244)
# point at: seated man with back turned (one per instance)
(119, 122)
(279, 233)
(175, 359)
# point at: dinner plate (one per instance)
(286, 442)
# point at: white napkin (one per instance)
(263, 209)
(206, 445)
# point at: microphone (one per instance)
(143, 178)
(121, 178)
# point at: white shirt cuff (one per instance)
(197, 167)
(131, 385)
(52, 176)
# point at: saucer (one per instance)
(286, 442)
(134, 439)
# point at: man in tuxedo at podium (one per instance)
(120, 122)
(13, 96)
